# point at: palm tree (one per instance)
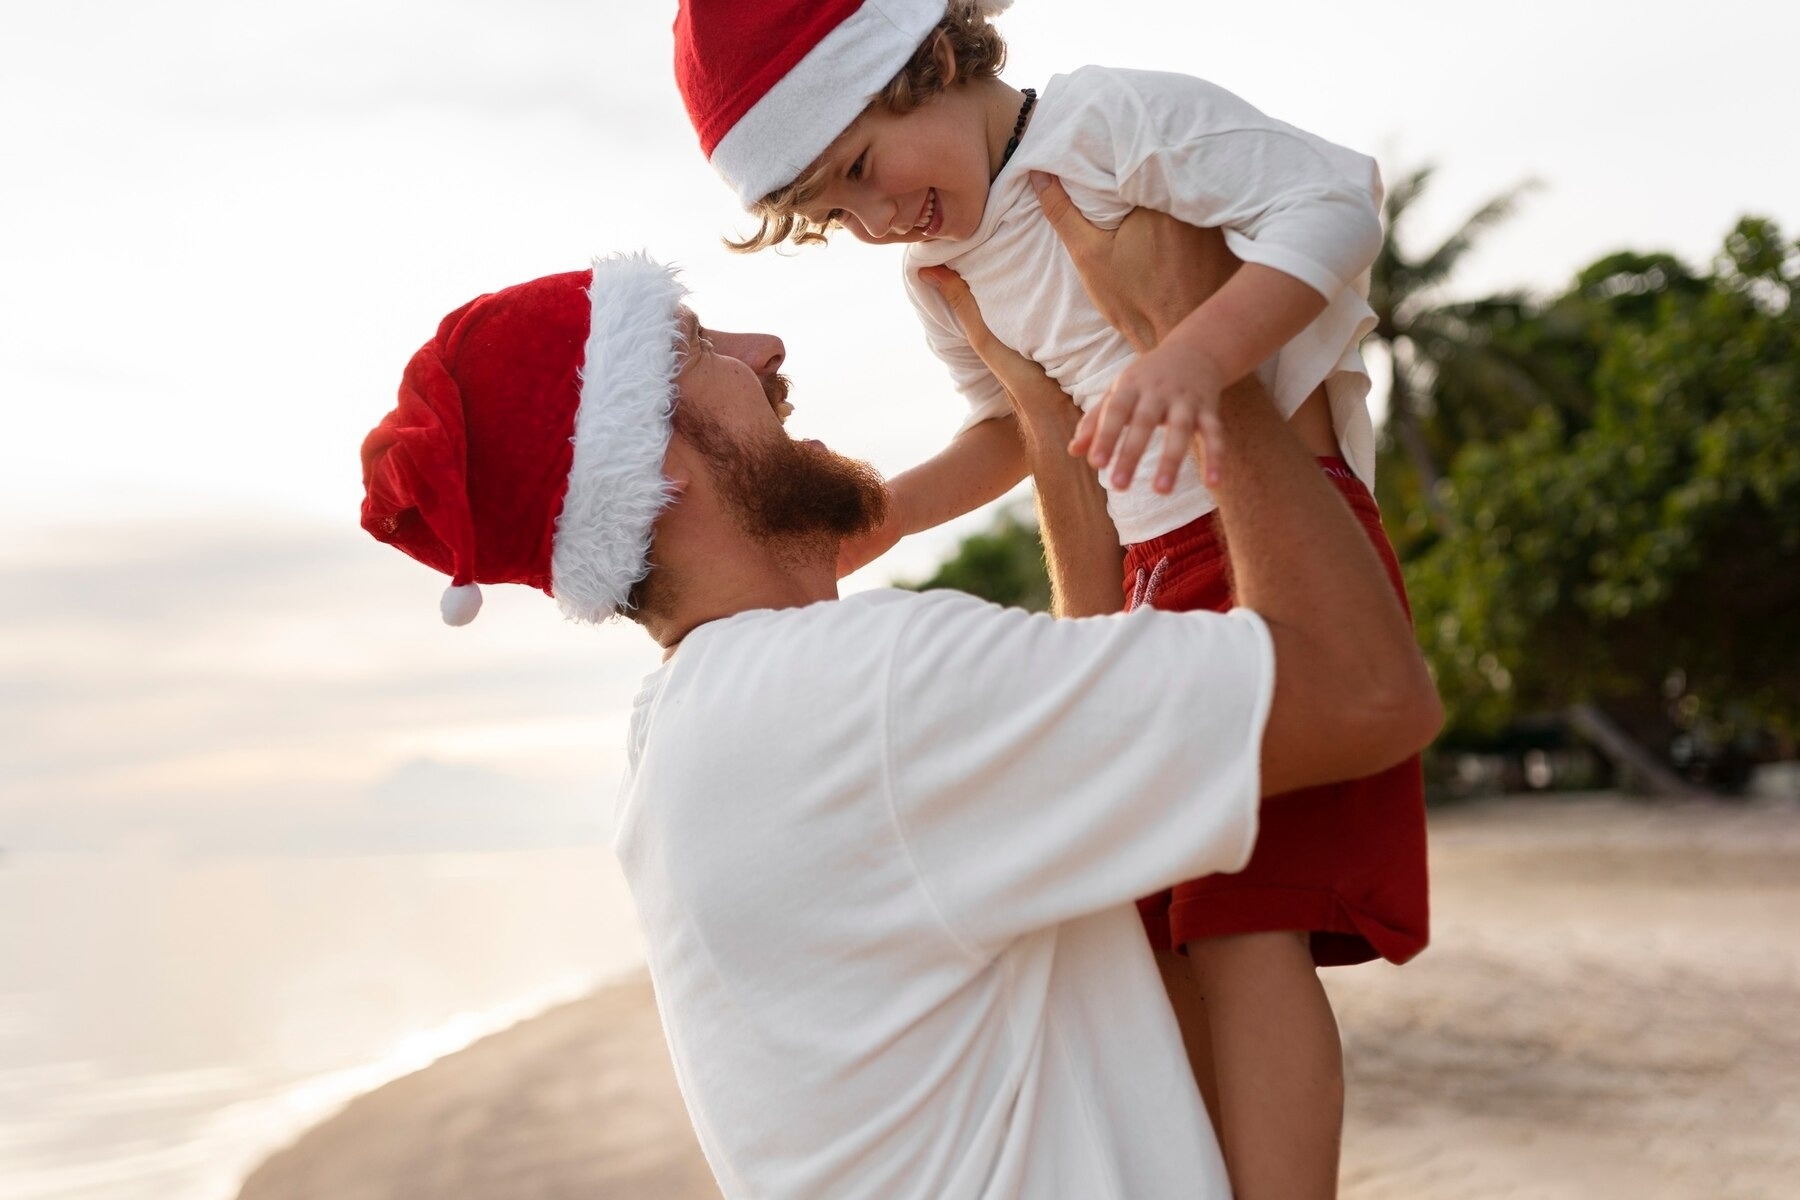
(1448, 363)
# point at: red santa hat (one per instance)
(528, 441)
(770, 85)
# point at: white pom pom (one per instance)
(460, 604)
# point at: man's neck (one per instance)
(721, 590)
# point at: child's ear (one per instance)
(945, 54)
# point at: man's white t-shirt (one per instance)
(884, 850)
(1120, 140)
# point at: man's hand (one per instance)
(1145, 277)
(1081, 545)
(1026, 384)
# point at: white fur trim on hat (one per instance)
(806, 110)
(616, 484)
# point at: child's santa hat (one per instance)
(528, 442)
(770, 85)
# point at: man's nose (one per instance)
(761, 352)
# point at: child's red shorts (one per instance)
(1345, 861)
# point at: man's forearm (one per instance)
(1081, 544)
(1352, 692)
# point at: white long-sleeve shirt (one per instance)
(1119, 140)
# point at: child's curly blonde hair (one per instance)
(979, 53)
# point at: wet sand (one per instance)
(1610, 1008)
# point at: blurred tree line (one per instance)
(1596, 498)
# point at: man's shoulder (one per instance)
(832, 636)
(749, 691)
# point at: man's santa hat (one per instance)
(770, 85)
(528, 442)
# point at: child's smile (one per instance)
(917, 176)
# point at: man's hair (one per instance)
(650, 597)
(979, 53)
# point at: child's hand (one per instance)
(1174, 387)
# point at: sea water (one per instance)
(166, 1023)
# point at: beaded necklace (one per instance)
(1018, 127)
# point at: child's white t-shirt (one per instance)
(1123, 139)
(884, 852)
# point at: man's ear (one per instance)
(945, 54)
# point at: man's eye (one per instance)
(856, 168)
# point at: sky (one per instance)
(225, 227)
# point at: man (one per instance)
(884, 848)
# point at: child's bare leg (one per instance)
(1279, 1064)
(1196, 1035)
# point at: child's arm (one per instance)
(982, 463)
(1301, 213)
(1254, 315)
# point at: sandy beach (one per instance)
(1610, 1008)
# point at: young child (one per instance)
(942, 159)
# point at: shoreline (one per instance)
(1608, 1009)
(511, 1106)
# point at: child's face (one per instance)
(918, 177)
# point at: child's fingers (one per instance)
(1145, 418)
(1115, 413)
(1131, 449)
(1178, 441)
(1084, 432)
(1209, 445)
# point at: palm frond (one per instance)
(1400, 197)
(1435, 267)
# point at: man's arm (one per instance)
(1081, 545)
(1352, 694)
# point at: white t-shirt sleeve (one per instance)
(1286, 198)
(973, 381)
(1042, 770)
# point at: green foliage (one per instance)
(1004, 563)
(1439, 347)
(1618, 518)
(1642, 544)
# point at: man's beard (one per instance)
(792, 496)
